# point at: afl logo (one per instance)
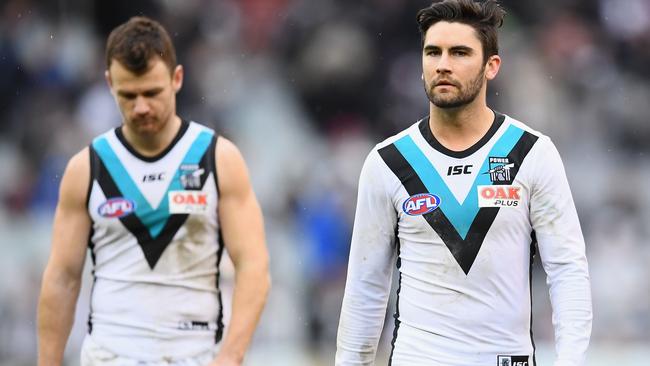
(116, 207)
(421, 204)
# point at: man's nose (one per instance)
(443, 65)
(141, 105)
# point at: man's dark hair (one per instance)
(485, 17)
(136, 42)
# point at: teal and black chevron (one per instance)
(154, 228)
(462, 227)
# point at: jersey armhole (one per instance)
(92, 156)
(94, 165)
(212, 151)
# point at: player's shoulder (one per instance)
(79, 162)
(374, 158)
(410, 130)
(543, 153)
(226, 149)
(200, 127)
(75, 182)
(229, 158)
(525, 127)
(541, 143)
(103, 136)
(231, 168)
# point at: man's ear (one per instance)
(107, 76)
(177, 78)
(492, 67)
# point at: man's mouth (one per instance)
(445, 83)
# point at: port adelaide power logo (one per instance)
(191, 176)
(500, 170)
(501, 193)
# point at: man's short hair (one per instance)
(136, 42)
(485, 17)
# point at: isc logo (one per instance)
(116, 207)
(459, 169)
(421, 204)
(153, 177)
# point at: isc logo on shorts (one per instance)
(498, 196)
(188, 202)
(116, 207)
(421, 204)
(196, 325)
(512, 361)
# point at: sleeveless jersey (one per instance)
(461, 228)
(156, 246)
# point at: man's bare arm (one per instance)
(243, 232)
(62, 276)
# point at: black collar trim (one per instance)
(150, 159)
(428, 136)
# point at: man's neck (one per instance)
(459, 128)
(154, 144)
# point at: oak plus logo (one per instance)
(188, 202)
(420, 204)
(498, 196)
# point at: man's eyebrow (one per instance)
(431, 47)
(462, 48)
(125, 93)
(153, 90)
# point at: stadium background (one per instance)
(305, 88)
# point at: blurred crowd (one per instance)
(305, 89)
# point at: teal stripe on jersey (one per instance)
(193, 156)
(461, 215)
(153, 219)
(196, 151)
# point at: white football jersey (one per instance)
(156, 246)
(462, 228)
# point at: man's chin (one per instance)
(146, 128)
(449, 103)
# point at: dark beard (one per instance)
(465, 97)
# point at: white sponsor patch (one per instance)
(188, 202)
(499, 196)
